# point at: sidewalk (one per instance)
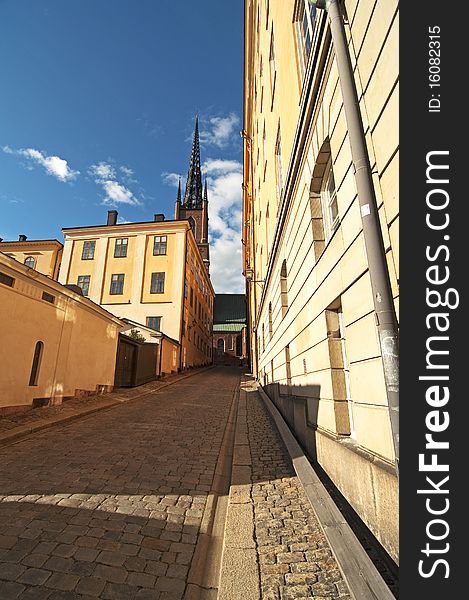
(285, 538)
(15, 427)
(274, 547)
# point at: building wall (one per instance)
(72, 329)
(137, 302)
(47, 254)
(296, 311)
(198, 310)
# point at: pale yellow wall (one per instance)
(47, 255)
(80, 340)
(137, 302)
(314, 283)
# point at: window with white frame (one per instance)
(329, 202)
(278, 165)
(304, 19)
(273, 70)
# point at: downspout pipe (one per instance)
(386, 320)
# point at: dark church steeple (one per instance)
(193, 194)
(194, 206)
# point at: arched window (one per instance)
(221, 345)
(284, 288)
(30, 262)
(323, 200)
(193, 225)
(36, 363)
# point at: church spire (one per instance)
(178, 197)
(193, 194)
(205, 191)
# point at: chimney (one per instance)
(112, 217)
(159, 217)
(22, 237)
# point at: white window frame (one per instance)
(329, 201)
(301, 16)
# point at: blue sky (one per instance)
(97, 111)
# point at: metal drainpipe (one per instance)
(386, 320)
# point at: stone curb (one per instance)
(17, 433)
(360, 574)
(239, 573)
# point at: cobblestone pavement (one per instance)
(295, 559)
(110, 506)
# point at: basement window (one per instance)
(48, 297)
(6, 279)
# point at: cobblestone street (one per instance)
(111, 505)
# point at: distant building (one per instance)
(41, 255)
(155, 272)
(50, 340)
(229, 329)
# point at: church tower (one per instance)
(194, 206)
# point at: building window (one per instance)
(88, 250)
(267, 14)
(30, 262)
(36, 363)
(117, 284)
(197, 273)
(157, 283)
(186, 288)
(48, 297)
(263, 338)
(84, 282)
(6, 280)
(120, 249)
(159, 245)
(154, 323)
(183, 327)
(192, 296)
(278, 165)
(329, 202)
(305, 17)
(273, 70)
(192, 263)
(193, 225)
(221, 345)
(270, 320)
(284, 288)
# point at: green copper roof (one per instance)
(228, 327)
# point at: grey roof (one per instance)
(229, 308)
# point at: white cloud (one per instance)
(122, 221)
(116, 193)
(173, 179)
(219, 165)
(102, 171)
(127, 171)
(220, 130)
(224, 179)
(54, 165)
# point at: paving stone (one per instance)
(10, 590)
(118, 591)
(62, 581)
(145, 580)
(112, 574)
(91, 586)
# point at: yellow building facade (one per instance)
(145, 272)
(50, 340)
(313, 337)
(41, 255)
